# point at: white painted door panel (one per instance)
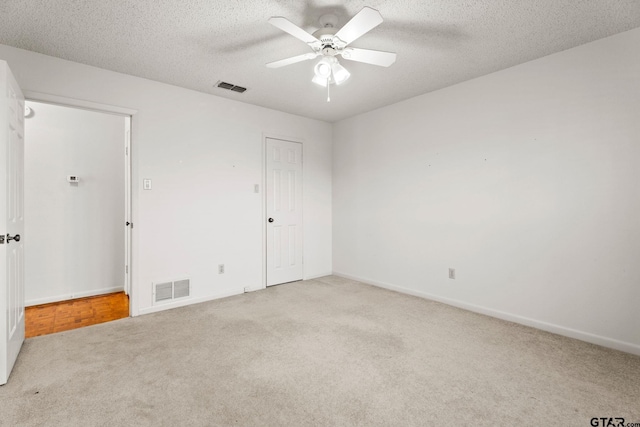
(11, 221)
(284, 211)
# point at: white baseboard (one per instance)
(549, 327)
(72, 295)
(315, 276)
(189, 301)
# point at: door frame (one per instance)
(130, 191)
(263, 213)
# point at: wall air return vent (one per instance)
(163, 292)
(230, 86)
(167, 291)
(181, 288)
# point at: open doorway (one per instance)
(76, 209)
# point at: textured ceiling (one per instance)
(195, 43)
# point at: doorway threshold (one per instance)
(62, 316)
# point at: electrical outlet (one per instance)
(452, 273)
(220, 268)
(247, 289)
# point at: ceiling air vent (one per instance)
(229, 86)
(166, 291)
(225, 85)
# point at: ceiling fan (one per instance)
(329, 42)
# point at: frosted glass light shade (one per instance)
(323, 69)
(340, 74)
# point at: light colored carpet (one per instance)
(329, 351)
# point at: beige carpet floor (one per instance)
(324, 352)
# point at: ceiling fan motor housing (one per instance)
(328, 50)
(329, 43)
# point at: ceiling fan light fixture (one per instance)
(328, 70)
(322, 81)
(322, 69)
(340, 74)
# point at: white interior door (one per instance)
(284, 211)
(11, 221)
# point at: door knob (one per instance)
(16, 238)
(270, 220)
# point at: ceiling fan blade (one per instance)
(373, 57)
(363, 22)
(289, 27)
(292, 60)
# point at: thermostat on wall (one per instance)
(73, 178)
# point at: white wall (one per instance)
(526, 181)
(204, 155)
(75, 230)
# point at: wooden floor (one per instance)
(65, 315)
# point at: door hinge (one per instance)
(126, 151)
(126, 269)
(1, 239)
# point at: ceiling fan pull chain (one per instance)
(328, 91)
